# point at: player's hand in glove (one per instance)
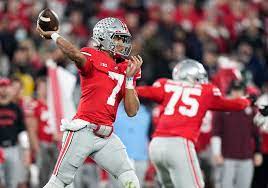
(44, 34)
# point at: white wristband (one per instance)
(130, 83)
(55, 36)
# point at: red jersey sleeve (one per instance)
(154, 92)
(218, 102)
(87, 52)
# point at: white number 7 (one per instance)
(120, 80)
(169, 110)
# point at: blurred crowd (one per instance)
(229, 37)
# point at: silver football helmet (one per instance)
(190, 71)
(108, 29)
(262, 101)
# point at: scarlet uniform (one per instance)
(264, 146)
(205, 133)
(101, 94)
(156, 113)
(185, 106)
(103, 85)
(39, 110)
(102, 89)
(172, 149)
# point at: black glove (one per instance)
(264, 111)
(252, 99)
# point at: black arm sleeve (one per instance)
(257, 144)
(264, 111)
(20, 120)
(257, 138)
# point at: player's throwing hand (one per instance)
(133, 66)
(44, 34)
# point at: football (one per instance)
(48, 20)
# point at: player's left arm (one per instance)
(224, 104)
(220, 103)
(131, 100)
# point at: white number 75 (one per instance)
(185, 94)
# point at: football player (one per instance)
(186, 99)
(261, 118)
(43, 139)
(260, 179)
(107, 77)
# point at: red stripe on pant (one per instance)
(63, 151)
(192, 166)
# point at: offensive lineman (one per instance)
(103, 84)
(186, 100)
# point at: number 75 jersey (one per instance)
(185, 106)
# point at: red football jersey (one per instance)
(205, 133)
(264, 146)
(156, 113)
(185, 106)
(2, 155)
(39, 110)
(102, 87)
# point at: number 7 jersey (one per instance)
(102, 87)
(185, 106)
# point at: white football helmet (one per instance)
(190, 71)
(262, 103)
(261, 118)
(106, 30)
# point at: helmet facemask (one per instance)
(120, 44)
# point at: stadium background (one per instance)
(230, 38)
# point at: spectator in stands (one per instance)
(24, 145)
(43, 138)
(251, 63)
(11, 124)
